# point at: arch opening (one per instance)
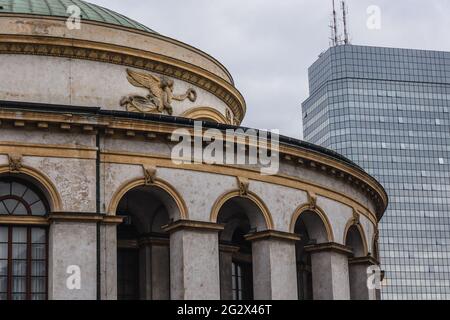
(143, 246)
(312, 230)
(240, 217)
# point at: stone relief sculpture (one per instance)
(160, 95)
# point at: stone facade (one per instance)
(137, 224)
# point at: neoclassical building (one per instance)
(93, 205)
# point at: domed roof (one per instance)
(58, 8)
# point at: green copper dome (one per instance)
(58, 8)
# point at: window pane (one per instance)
(38, 268)
(3, 251)
(38, 297)
(3, 208)
(38, 251)
(19, 235)
(10, 204)
(38, 285)
(4, 189)
(20, 210)
(30, 197)
(3, 284)
(38, 209)
(3, 296)
(38, 235)
(18, 189)
(19, 285)
(4, 234)
(3, 268)
(19, 268)
(19, 251)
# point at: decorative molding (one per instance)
(193, 225)
(244, 186)
(271, 234)
(149, 174)
(160, 94)
(312, 200)
(15, 162)
(144, 60)
(356, 220)
(331, 246)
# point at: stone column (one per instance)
(329, 264)
(108, 257)
(358, 278)
(274, 265)
(73, 256)
(155, 272)
(226, 280)
(194, 260)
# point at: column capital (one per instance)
(193, 225)
(272, 234)
(328, 247)
(369, 260)
(228, 248)
(153, 240)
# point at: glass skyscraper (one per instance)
(389, 111)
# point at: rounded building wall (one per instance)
(75, 121)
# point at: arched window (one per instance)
(21, 199)
(23, 248)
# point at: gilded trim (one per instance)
(350, 223)
(165, 186)
(24, 220)
(208, 113)
(320, 213)
(237, 194)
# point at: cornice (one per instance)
(136, 58)
(297, 156)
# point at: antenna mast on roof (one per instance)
(334, 28)
(344, 17)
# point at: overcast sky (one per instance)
(268, 45)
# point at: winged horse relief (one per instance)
(160, 94)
